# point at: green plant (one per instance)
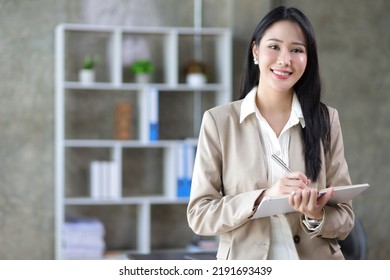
(142, 66)
(89, 61)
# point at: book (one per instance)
(95, 180)
(149, 114)
(153, 117)
(185, 166)
(279, 204)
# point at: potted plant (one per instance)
(142, 70)
(87, 72)
(196, 73)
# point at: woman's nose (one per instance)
(284, 58)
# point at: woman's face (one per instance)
(282, 56)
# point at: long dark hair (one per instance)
(308, 88)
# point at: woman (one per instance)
(279, 112)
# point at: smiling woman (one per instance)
(280, 101)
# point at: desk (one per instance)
(174, 255)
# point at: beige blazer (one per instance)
(230, 172)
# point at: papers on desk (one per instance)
(83, 238)
(279, 205)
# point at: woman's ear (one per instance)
(254, 50)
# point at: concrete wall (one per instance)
(353, 46)
(354, 43)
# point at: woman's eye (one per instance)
(297, 50)
(274, 47)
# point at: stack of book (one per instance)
(104, 180)
(83, 238)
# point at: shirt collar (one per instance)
(248, 107)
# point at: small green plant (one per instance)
(142, 66)
(89, 61)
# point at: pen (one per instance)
(282, 164)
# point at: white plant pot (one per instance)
(196, 79)
(86, 76)
(142, 78)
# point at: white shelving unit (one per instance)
(171, 57)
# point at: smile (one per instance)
(281, 73)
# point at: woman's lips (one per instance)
(281, 73)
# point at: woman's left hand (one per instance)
(308, 203)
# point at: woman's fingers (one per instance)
(326, 197)
(304, 200)
(296, 179)
(307, 201)
(288, 183)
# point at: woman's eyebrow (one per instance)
(281, 41)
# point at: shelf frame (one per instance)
(171, 37)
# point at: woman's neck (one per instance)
(271, 101)
(275, 107)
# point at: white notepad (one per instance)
(279, 204)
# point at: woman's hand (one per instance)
(288, 183)
(308, 202)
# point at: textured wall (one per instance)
(353, 45)
(354, 41)
(26, 126)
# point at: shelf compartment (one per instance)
(80, 44)
(156, 47)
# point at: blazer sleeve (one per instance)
(209, 212)
(339, 219)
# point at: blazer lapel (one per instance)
(257, 142)
(296, 153)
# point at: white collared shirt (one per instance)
(282, 246)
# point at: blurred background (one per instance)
(353, 43)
